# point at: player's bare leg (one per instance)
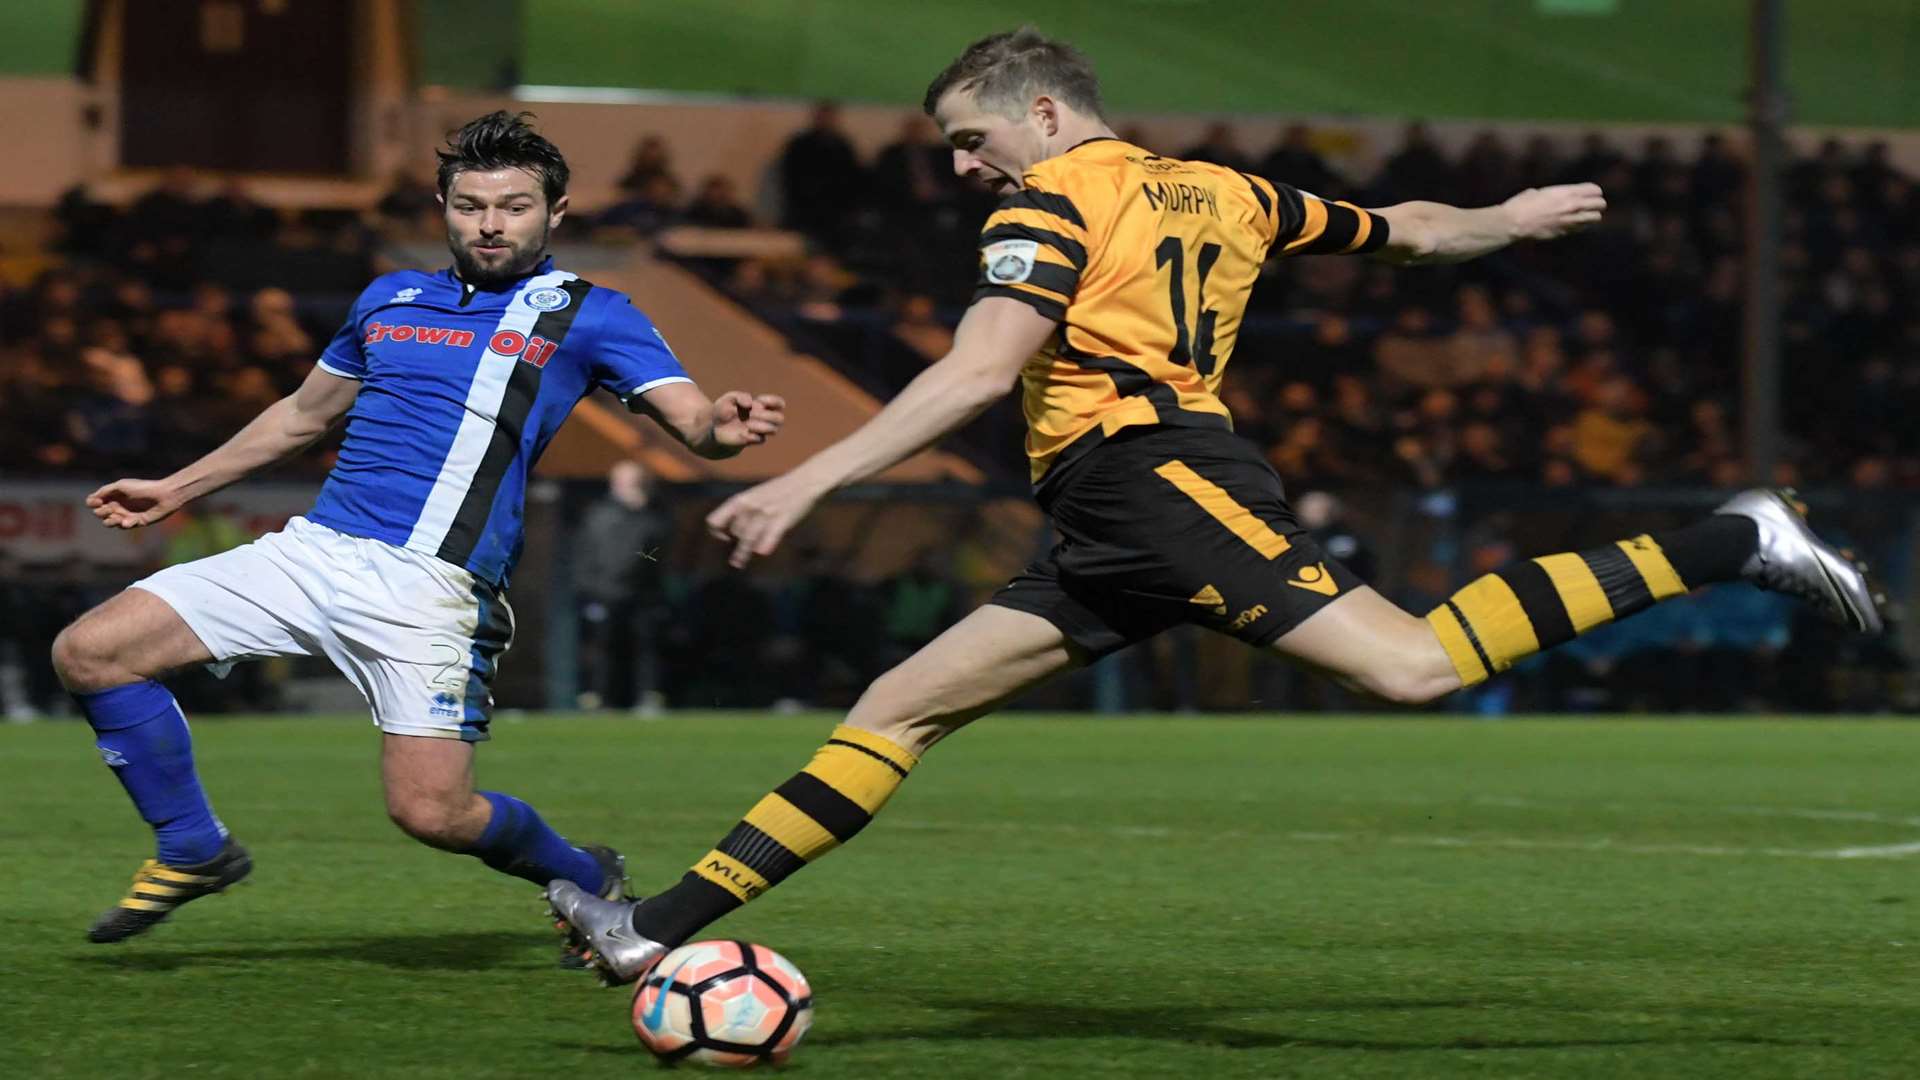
(109, 660)
(429, 790)
(1373, 646)
(965, 673)
(430, 795)
(133, 636)
(1760, 536)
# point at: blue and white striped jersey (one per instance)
(462, 389)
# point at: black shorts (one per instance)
(1168, 526)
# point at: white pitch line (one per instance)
(1880, 851)
(1807, 813)
(1600, 845)
(1825, 815)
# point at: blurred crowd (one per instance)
(1609, 360)
(149, 338)
(156, 329)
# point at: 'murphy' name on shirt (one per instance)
(1181, 198)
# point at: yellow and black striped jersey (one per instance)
(1146, 262)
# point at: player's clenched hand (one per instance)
(756, 519)
(1544, 213)
(129, 504)
(743, 419)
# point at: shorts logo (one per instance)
(1248, 617)
(1315, 579)
(112, 757)
(1210, 597)
(445, 705)
(549, 299)
(1009, 262)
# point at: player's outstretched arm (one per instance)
(713, 429)
(281, 430)
(995, 339)
(1430, 232)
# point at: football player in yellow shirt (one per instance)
(1112, 285)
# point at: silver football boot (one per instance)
(600, 931)
(1792, 560)
(613, 870)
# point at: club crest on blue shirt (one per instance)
(548, 299)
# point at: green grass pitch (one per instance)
(1048, 897)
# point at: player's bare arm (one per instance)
(713, 429)
(1431, 232)
(995, 339)
(281, 430)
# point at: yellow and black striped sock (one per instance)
(1517, 611)
(815, 811)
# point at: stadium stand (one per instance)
(135, 335)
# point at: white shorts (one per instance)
(418, 636)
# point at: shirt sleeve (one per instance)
(1306, 224)
(1033, 250)
(346, 354)
(631, 356)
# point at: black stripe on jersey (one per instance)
(1293, 214)
(1054, 278)
(1266, 204)
(1049, 276)
(1342, 226)
(1045, 305)
(1128, 381)
(1045, 201)
(1376, 236)
(1166, 402)
(1171, 415)
(1073, 250)
(523, 386)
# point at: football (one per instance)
(729, 1004)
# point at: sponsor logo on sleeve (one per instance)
(1009, 262)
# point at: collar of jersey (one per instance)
(545, 267)
(1089, 142)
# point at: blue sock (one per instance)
(143, 737)
(518, 842)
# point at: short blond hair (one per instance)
(1006, 71)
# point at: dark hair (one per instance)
(1007, 70)
(502, 140)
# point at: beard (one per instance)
(519, 260)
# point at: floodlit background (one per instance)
(196, 190)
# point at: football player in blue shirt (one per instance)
(452, 384)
